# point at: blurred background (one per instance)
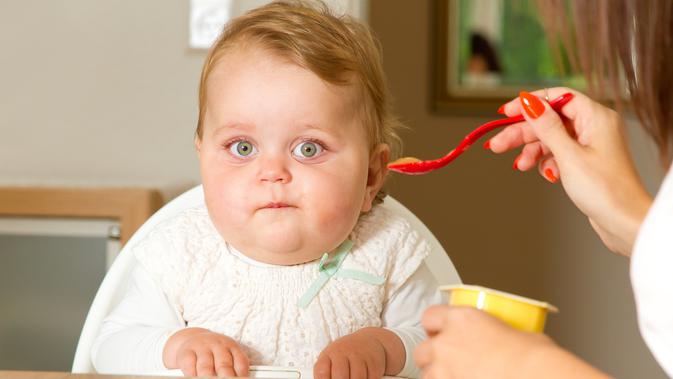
(104, 94)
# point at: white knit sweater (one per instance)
(208, 284)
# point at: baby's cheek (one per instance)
(338, 216)
(227, 209)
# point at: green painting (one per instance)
(495, 48)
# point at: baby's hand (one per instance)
(357, 356)
(200, 352)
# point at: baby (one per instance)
(291, 262)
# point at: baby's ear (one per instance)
(197, 145)
(378, 169)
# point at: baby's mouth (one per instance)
(275, 205)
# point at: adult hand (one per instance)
(468, 343)
(200, 352)
(587, 150)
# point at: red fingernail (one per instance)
(487, 145)
(515, 166)
(501, 110)
(531, 104)
(549, 174)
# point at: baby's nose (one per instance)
(274, 170)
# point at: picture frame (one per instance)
(487, 51)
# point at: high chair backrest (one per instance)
(113, 284)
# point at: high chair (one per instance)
(111, 289)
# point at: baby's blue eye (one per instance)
(307, 149)
(242, 148)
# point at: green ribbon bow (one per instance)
(328, 268)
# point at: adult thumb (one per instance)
(547, 125)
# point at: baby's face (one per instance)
(284, 158)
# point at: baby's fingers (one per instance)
(358, 368)
(241, 362)
(323, 367)
(224, 362)
(205, 363)
(186, 361)
(340, 366)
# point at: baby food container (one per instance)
(522, 313)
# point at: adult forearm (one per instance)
(553, 362)
(620, 229)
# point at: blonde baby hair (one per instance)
(338, 49)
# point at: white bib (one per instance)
(213, 286)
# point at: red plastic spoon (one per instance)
(415, 166)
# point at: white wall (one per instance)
(97, 93)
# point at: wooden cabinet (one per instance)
(55, 247)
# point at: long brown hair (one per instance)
(622, 42)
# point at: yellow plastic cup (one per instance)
(520, 312)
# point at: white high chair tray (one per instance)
(266, 372)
